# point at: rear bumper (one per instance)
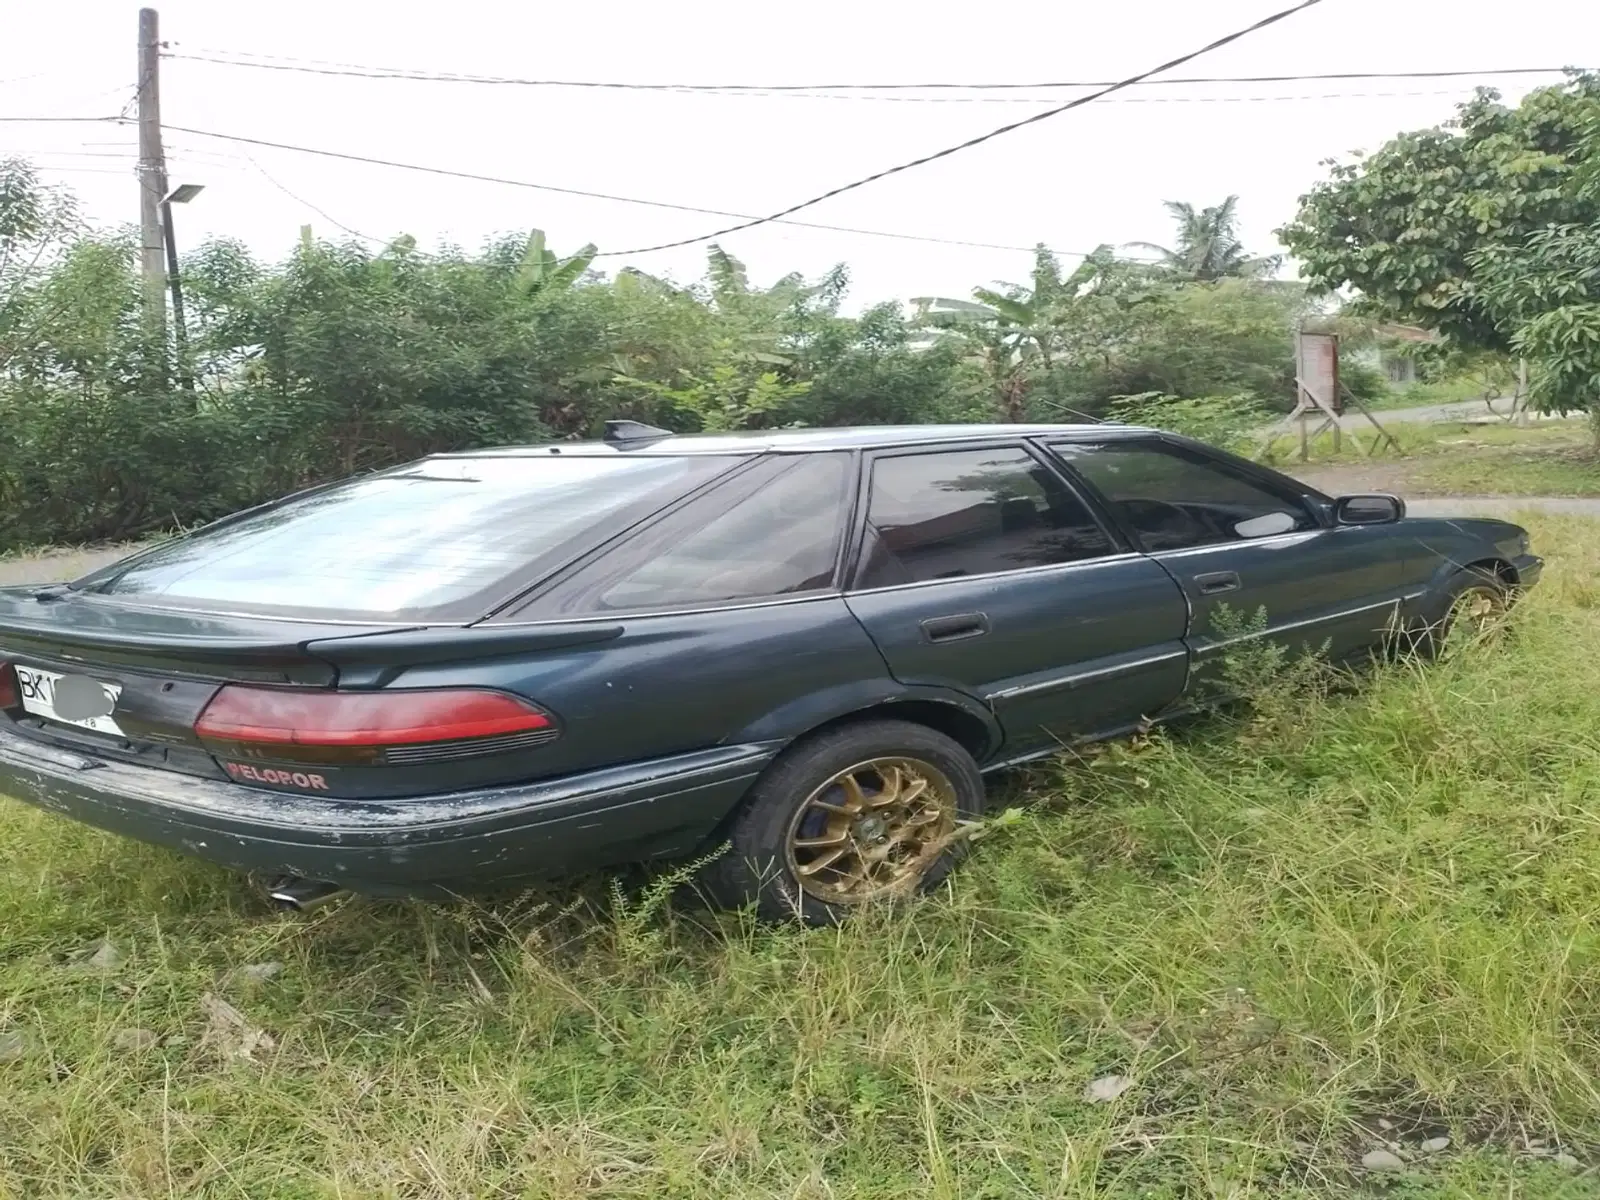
(425, 846)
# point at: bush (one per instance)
(1225, 421)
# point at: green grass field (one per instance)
(1349, 918)
(1548, 460)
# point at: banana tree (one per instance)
(1016, 332)
(541, 269)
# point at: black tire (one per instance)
(1430, 640)
(760, 867)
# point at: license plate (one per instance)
(84, 707)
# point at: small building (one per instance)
(1388, 352)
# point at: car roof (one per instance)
(791, 441)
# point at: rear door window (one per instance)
(771, 531)
(443, 538)
(956, 513)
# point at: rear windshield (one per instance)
(444, 539)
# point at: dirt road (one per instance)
(57, 564)
(1461, 410)
(1503, 506)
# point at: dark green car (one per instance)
(506, 665)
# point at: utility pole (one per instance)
(152, 175)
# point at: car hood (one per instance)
(1507, 538)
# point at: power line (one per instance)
(1456, 91)
(1225, 40)
(127, 153)
(546, 187)
(265, 174)
(358, 71)
(51, 120)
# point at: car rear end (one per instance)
(305, 690)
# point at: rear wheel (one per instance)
(861, 814)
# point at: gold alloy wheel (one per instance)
(1474, 613)
(871, 831)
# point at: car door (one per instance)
(981, 568)
(1246, 539)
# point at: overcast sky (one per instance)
(1097, 174)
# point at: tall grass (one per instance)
(1292, 927)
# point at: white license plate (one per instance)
(38, 690)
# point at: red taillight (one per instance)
(10, 694)
(283, 723)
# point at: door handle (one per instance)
(1217, 581)
(955, 627)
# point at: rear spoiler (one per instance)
(181, 652)
(374, 659)
(368, 658)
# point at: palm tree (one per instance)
(1208, 245)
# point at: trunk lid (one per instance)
(155, 670)
(158, 668)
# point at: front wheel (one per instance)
(1474, 605)
(859, 814)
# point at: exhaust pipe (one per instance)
(294, 894)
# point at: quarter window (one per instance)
(772, 531)
(1175, 498)
(971, 512)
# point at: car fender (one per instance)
(1454, 546)
(869, 697)
(1465, 551)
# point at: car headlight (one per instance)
(1513, 547)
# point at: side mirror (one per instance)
(1376, 509)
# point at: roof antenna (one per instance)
(627, 433)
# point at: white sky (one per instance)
(1097, 174)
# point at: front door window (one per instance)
(1175, 498)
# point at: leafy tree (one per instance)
(1070, 344)
(1408, 226)
(766, 344)
(729, 397)
(1208, 246)
(877, 369)
(1545, 295)
(1226, 338)
(1227, 421)
(341, 358)
(38, 225)
(1026, 339)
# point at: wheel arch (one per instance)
(957, 715)
(1498, 567)
(1446, 573)
(962, 718)
(978, 737)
